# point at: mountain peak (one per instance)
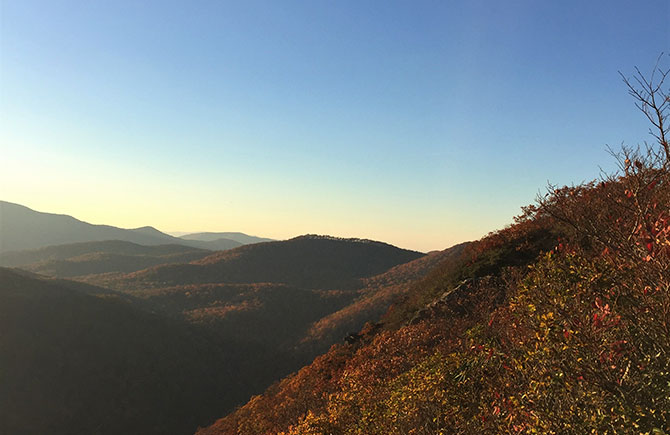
(149, 230)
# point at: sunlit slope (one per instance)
(374, 298)
(557, 324)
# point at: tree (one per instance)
(653, 100)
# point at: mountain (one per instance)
(374, 298)
(98, 257)
(316, 262)
(284, 316)
(555, 324)
(75, 359)
(174, 354)
(242, 238)
(267, 294)
(212, 245)
(149, 231)
(22, 228)
(273, 315)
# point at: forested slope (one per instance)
(556, 324)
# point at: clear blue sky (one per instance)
(418, 123)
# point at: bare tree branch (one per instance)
(653, 100)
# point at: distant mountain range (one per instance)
(242, 238)
(22, 228)
(86, 258)
(159, 335)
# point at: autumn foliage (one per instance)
(558, 324)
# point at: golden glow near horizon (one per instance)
(164, 219)
(133, 193)
(93, 192)
(314, 122)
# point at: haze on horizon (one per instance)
(420, 124)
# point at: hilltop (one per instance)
(317, 262)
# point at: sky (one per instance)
(418, 123)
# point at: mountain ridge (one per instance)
(85, 258)
(304, 261)
(242, 238)
(22, 228)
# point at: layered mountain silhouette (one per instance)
(22, 228)
(242, 238)
(167, 348)
(267, 293)
(87, 258)
(318, 262)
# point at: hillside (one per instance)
(98, 257)
(269, 294)
(283, 316)
(22, 228)
(557, 324)
(76, 363)
(374, 299)
(315, 262)
(274, 315)
(220, 244)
